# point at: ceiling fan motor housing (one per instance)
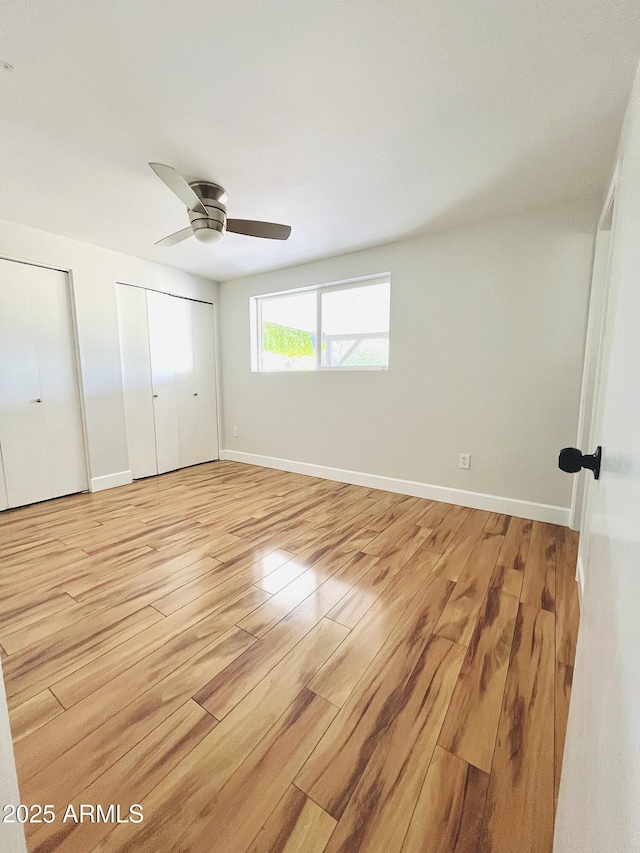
(209, 229)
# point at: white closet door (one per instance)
(58, 381)
(136, 379)
(22, 435)
(40, 420)
(162, 323)
(196, 386)
(168, 371)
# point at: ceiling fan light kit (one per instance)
(208, 214)
(209, 228)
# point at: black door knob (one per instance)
(572, 460)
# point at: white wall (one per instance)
(487, 338)
(11, 834)
(94, 274)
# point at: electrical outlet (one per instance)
(235, 433)
(465, 461)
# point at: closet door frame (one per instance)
(71, 304)
(216, 344)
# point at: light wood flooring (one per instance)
(270, 662)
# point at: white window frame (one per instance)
(255, 313)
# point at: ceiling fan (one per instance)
(207, 212)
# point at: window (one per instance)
(333, 327)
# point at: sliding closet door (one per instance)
(40, 419)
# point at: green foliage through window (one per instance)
(283, 340)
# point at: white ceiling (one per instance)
(355, 122)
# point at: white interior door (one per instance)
(599, 802)
(597, 308)
(40, 418)
(136, 380)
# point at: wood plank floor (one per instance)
(269, 662)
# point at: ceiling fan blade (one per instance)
(176, 237)
(179, 187)
(253, 228)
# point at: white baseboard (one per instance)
(110, 481)
(475, 500)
